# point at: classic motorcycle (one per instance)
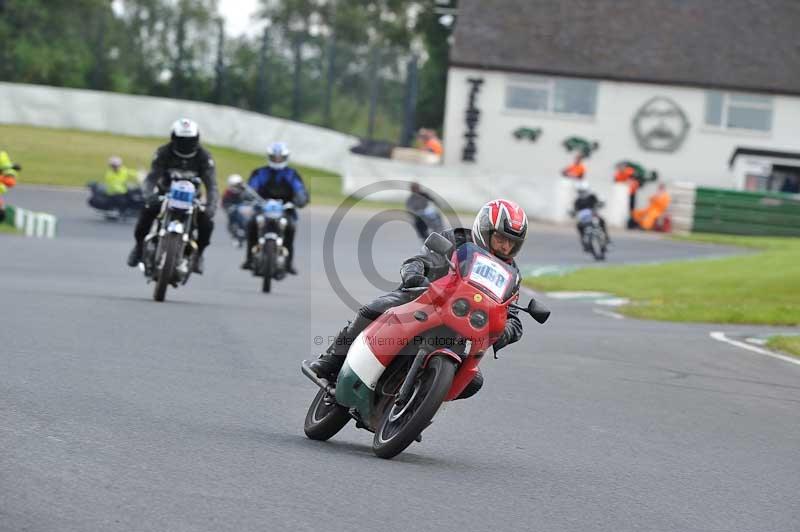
(118, 206)
(593, 238)
(238, 216)
(270, 255)
(415, 356)
(170, 248)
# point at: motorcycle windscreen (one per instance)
(486, 273)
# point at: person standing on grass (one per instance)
(8, 178)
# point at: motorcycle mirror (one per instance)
(439, 244)
(538, 311)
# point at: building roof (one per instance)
(729, 44)
(761, 152)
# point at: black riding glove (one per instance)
(501, 342)
(152, 201)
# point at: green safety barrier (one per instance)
(10, 215)
(746, 213)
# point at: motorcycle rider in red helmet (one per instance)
(500, 227)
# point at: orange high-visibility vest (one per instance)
(659, 203)
(575, 170)
(433, 145)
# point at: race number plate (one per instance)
(585, 216)
(181, 195)
(490, 275)
(272, 208)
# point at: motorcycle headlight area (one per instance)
(460, 307)
(478, 319)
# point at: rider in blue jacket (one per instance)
(279, 181)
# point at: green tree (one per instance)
(52, 42)
(433, 74)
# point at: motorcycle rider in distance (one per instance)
(117, 177)
(500, 228)
(278, 181)
(116, 181)
(235, 194)
(182, 153)
(237, 200)
(417, 202)
(588, 200)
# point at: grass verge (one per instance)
(758, 288)
(68, 157)
(8, 229)
(787, 344)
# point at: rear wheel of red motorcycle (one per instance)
(325, 418)
(399, 427)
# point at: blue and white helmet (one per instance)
(278, 155)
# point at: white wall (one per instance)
(702, 158)
(147, 116)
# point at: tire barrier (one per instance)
(32, 224)
(738, 212)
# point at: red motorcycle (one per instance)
(415, 356)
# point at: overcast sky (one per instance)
(237, 16)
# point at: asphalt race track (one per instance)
(121, 414)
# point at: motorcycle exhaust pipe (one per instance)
(322, 383)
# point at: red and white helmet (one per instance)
(504, 217)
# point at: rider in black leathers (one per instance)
(183, 153)
(421, 269)
(588, 200)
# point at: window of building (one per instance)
(729, 110)
(552, 95)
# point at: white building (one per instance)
(677, 86)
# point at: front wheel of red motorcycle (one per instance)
(325, 418)
(400, 426)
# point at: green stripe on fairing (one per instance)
(352, 392)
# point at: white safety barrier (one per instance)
(38, 105)
(35, 224)
(467, 186)
(681, 209)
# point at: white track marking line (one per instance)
(579, 295)
(608, 314)
(529, 291)
(720, 337)
(612, 302)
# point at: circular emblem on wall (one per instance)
(660, 125)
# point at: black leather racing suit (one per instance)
(431, 266)
(588, 202)
(157, 182)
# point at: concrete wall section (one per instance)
(147, 116)
(469, 187)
